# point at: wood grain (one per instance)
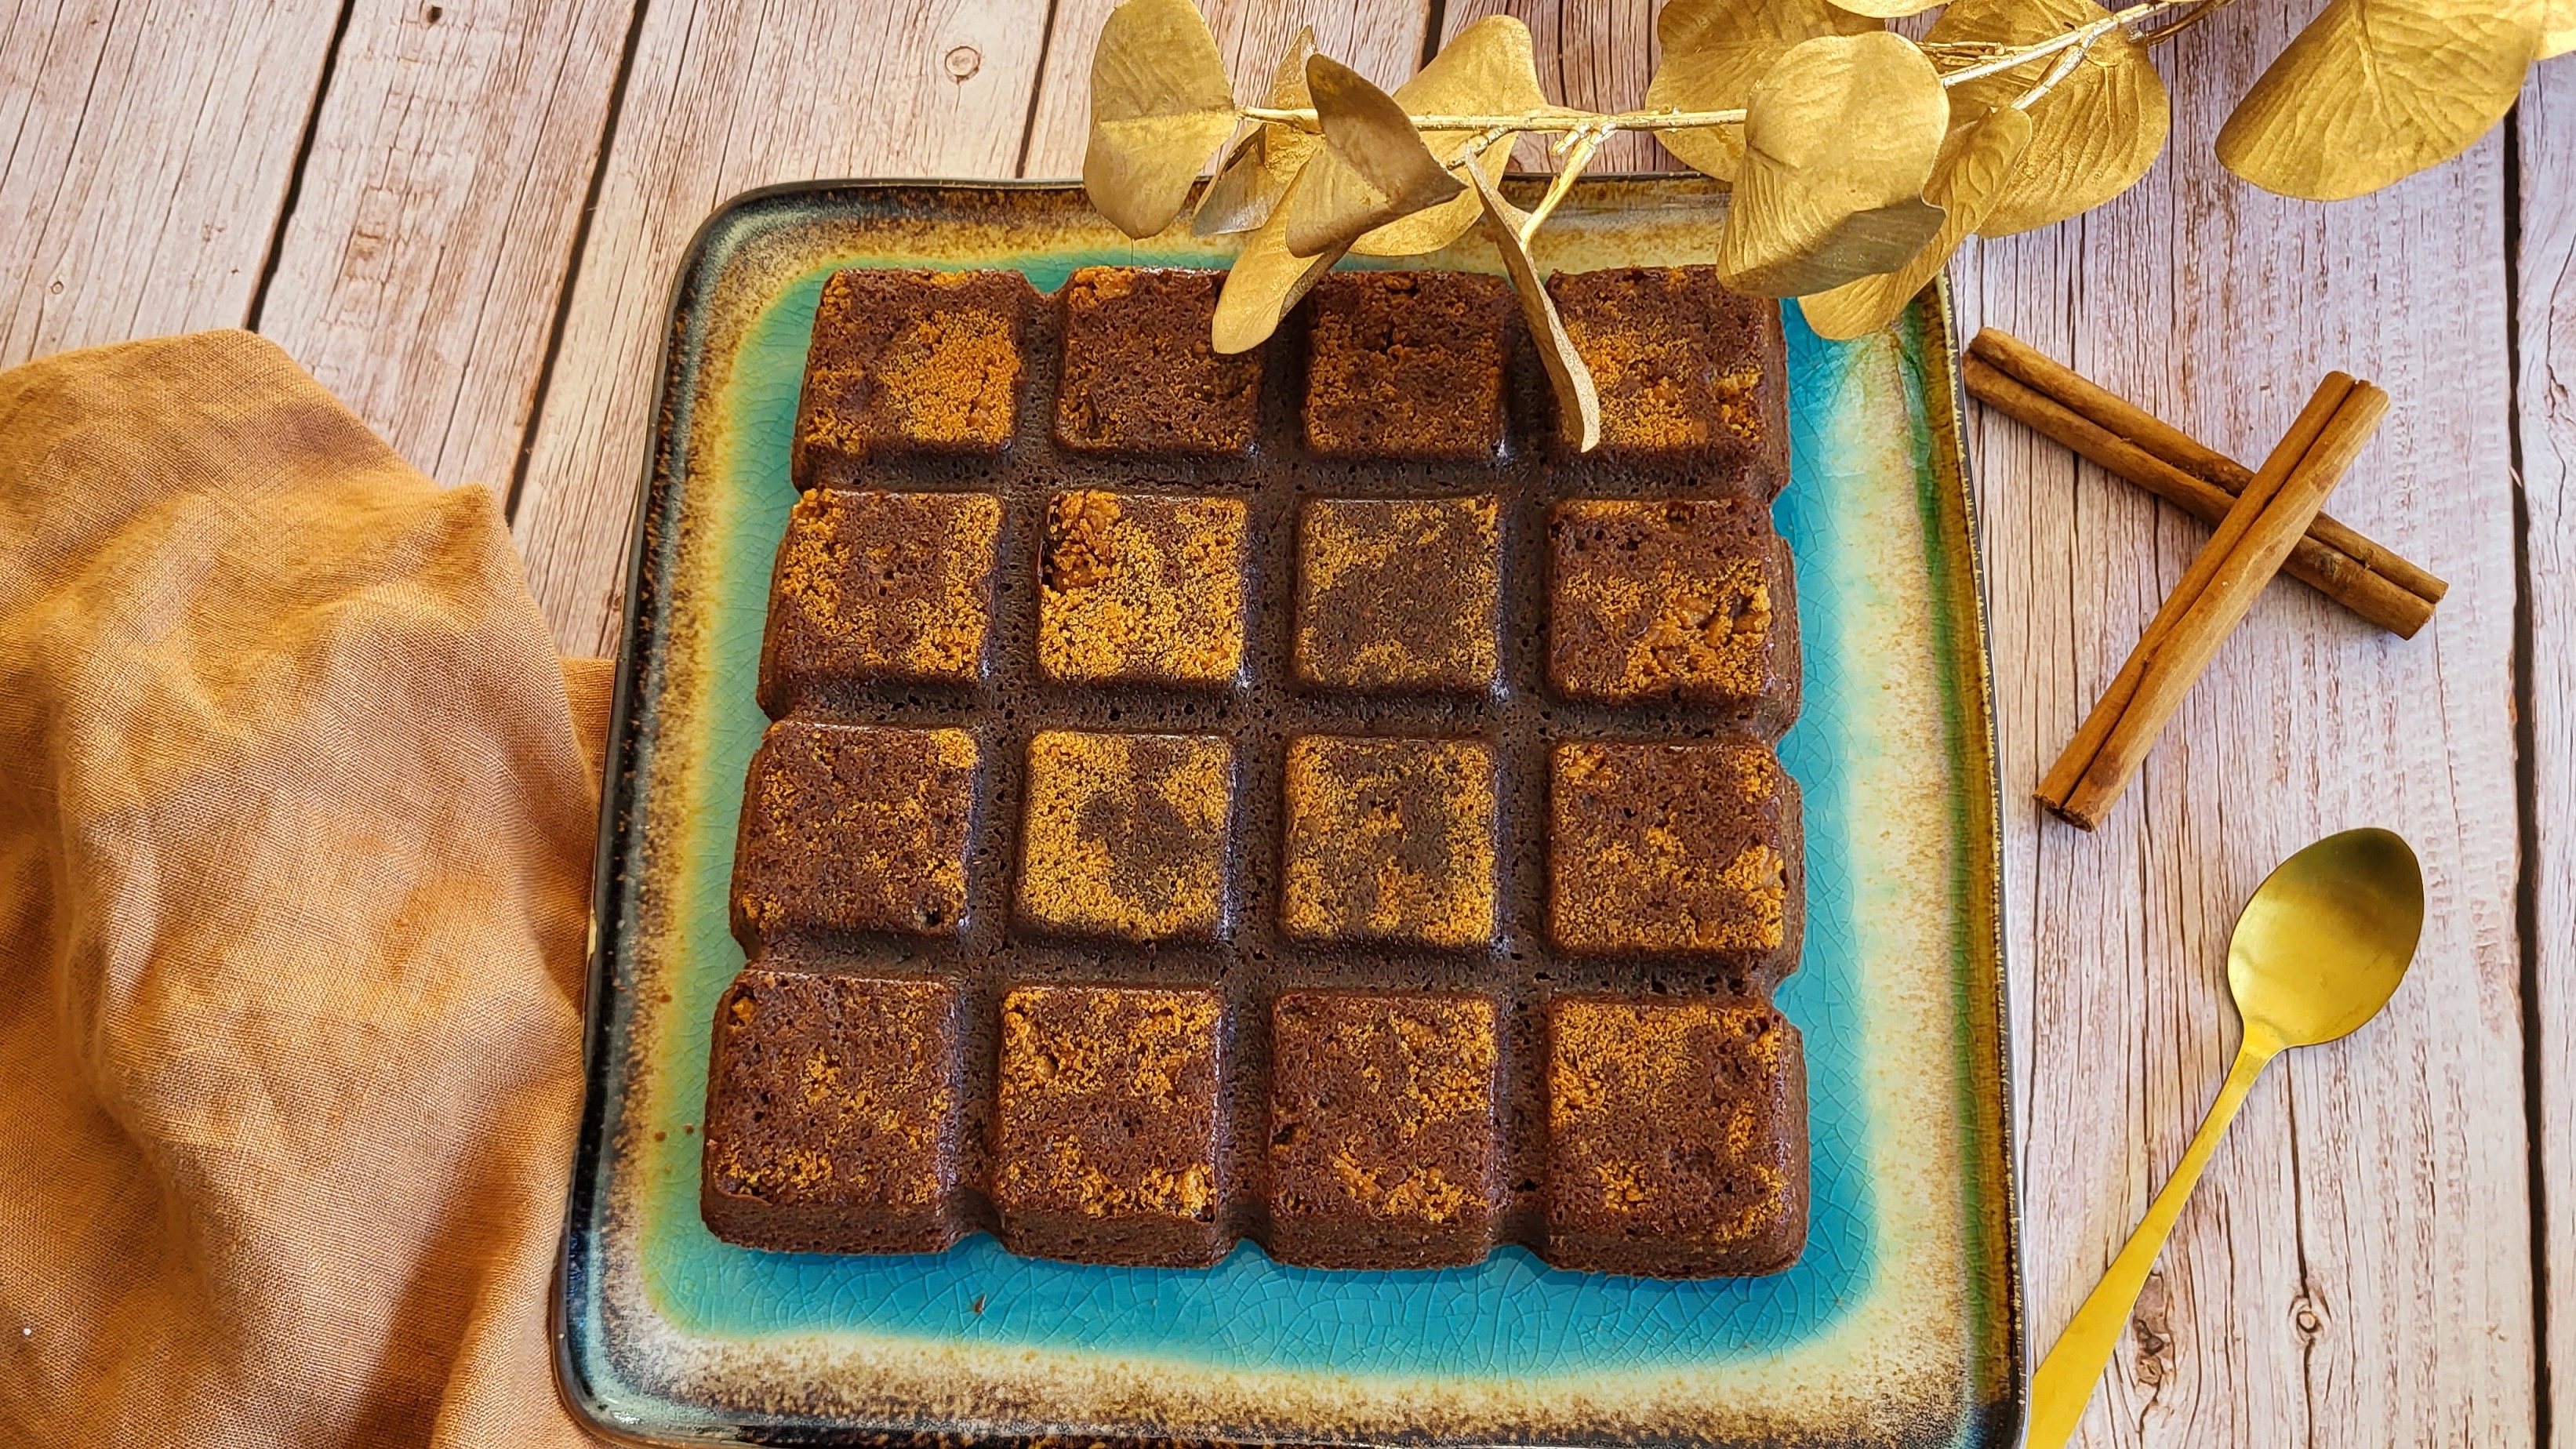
(2352, 1271)
(1381, 39)
(2545, 323)
(1596, 54)
(145, 152)
(721, 99)
(420, 274)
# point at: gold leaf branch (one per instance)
(1861, 160)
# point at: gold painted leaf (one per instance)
(1262, 165)
(1839, 140)
(1265, 281)
(2557, 28)
(2376, 90)
(1714, 52)
(1489, 68)
(1372, 169)
(1160, 104)
(1886, 9)
(1976, 168)
(2093, 134)
(1578, 402)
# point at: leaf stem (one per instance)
(1563, 119)
(1578, 149)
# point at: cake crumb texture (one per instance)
(1142, 588)
(854, 828)
(1125, 835)
(873, 585)
(1398, 593)
(1389, 840)
(832, 1113)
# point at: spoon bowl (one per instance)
(2327, 938)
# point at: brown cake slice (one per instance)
(909, 363)
(1388, 840)
(1691, 599)
(1142, 588)
(1677, 1137)
(1125, 836)
(1140, 374)
(1108, 1141)
(874, 586)
(1398, 593)
(1385, 1148)
(854, 828)
(1689, 850)
(1688, 371)
(1408, 365)
(833, 1105)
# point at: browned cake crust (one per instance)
(1374, 849)
(1107, 1145)
(1677, 1137)
(1675, 849)
(1682, 598)
(1139, 372)
(1388, 840)
(1408, 365)
(1688, 371)
(1398, 593)
(854, 828)
(879, 586)
(833, 1105)
(908, 363)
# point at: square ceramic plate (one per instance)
(1902, 1323)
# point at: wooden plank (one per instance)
(422, 269)
(145, 151)
(1596, 54)
(2546, 324)
(2356, 1267)
(720, 99)
(1381, 39)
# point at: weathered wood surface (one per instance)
(2359, 1268)
(2348, 1273)
(420, 275)
(146, 151)
(2545, 330)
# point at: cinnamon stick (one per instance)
(2019, 381)
(2279, 502)
(2338, 575)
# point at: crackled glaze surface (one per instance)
(1901, 1322)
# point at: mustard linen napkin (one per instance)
(295, 841)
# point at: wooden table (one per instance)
(464, 217)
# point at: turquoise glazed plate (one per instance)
(1901, 1325)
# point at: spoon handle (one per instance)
(2066, 1378)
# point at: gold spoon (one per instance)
(2318, 951)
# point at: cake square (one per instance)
(1142, 588)
(833, 1105)
(1384, 1144)
(1398, 593)
(873, 586)
(854, 828)
(1108, 1142)
(1688, 371)
(1689, 849)
(1125, 835)
(1140, 374)
(1677, 1137)
(1671, 598)
(1388, 840)
(909, 362)
(1408, 365)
